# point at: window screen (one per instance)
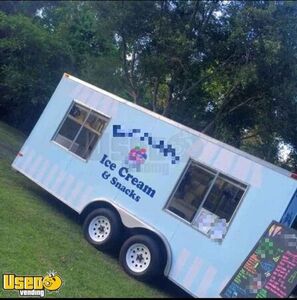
(80, 130)
(206, 198)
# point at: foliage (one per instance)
(227, 69)
(29, 54)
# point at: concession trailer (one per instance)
(174, 201)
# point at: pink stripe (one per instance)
(35, 165)
(84, 95)
(51, 174)
(113, 109)
(28, 160)
(224, 160)
(42, 171)
(91, 100)
(241, 168)
(19, 160)
(209, 151)
(184, 255)
(76, 91)
(86, 197)
(103, 104)
(196, 148)
(66, 186)
(206, 282)
(257, 176)
(76, 191)
(59, 180)
(192, 272)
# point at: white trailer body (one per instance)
(208, 202)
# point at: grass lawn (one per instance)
(39, 234)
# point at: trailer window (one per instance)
(294, 224)
(223, 198)
(80, 130)
(191, 192)
(207, 199)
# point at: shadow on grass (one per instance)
(167, 286)
(56, 204)
(162, 284)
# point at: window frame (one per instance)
(90, 110)
(294, 223)
(217, 173)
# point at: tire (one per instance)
(141, 258)
(103, 229)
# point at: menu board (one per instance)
(270, 270)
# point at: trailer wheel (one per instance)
(103, 229)
(140, 257)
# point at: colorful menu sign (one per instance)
(270, 270)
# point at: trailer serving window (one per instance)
(80, 130)
(206, 199)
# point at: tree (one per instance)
(227, 69)
(32, 62)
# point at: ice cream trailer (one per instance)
(174, 201)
